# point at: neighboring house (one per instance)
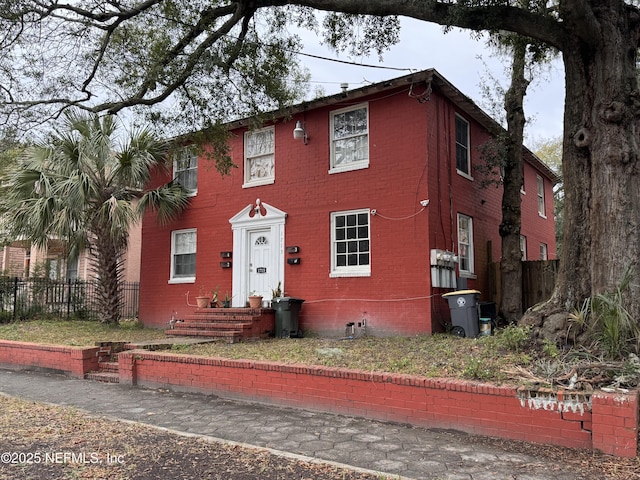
(370, 214)
(22, 260)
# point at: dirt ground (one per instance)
(56, 443)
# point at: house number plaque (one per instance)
(261, 270)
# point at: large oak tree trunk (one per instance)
(600, 164)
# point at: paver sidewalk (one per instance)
(393, 449)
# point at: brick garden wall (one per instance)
(603, 421)
(71, 361)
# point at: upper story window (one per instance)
(465, 244)
(463, 158)
(350, 244)
(541, 206)
(523, 248)
(349, 132)
(259, 157)
(183, 256)
(185, 170)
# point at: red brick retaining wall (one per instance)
(604, 421)
(72, 361)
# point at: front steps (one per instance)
(204, 325)
(107, 362)
(226, 324)
(107, 373)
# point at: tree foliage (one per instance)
(81, 187)
(193, 61)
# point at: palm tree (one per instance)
(81, 188)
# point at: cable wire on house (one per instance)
(375, 213)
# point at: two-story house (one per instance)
(366, 204)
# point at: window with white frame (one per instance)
(541, 206)
(259, 157)
(350, 244)
(543, 251)
(463, 159)
(349, 132)
(465, 244)
(183, 256)
(185, 170)
(523, 247)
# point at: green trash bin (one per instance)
(465, 314)
(287, 316)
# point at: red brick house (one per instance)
(371, 213)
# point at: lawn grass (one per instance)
(439, 355)
(80, 333)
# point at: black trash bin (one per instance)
(465, 315)
(287, 312)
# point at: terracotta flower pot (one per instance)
(255, 301)
(203, 302)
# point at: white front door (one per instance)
(258, 251)
(261, 271)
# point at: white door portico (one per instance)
(258, 251)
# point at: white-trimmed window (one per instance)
(465, 244)
(523, 247)
(541, 206)
(463, 159)
(183, 256)
(543, 251)
(185, 170)
(349, 132)
(350, 244)
(259, 157)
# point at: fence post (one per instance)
(15, 297)
(68, 298)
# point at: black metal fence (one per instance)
(28, 298)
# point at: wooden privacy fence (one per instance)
(538, 281)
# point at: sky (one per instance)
(456, 56)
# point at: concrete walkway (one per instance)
(395, 450)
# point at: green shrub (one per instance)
(550, 349)
(607, 322)
(515, 337)
(477, 369)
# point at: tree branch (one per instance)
(491, 17)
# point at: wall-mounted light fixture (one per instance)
(293, 249)
(300, 133)
(225, 254)
(293, 261)
(225, 264)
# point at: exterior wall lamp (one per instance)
(300, 133)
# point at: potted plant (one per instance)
(226, 303)
(277, 292)
(203, 300)
(214, 297)
(255, 301)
